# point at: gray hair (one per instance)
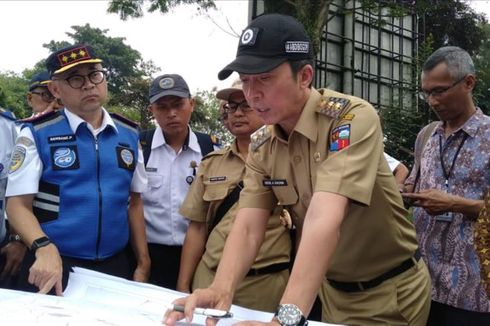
(458, 61)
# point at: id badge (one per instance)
(446, 217)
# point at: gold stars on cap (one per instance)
(333, 106)
(73, 55)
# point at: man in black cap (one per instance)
(172, 153)
(322, 158)
(71, 174)
(39, 97)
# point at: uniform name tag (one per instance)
(216, 179)
(61, 138)
(275, 183)
(147, 169)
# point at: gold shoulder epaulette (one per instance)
(333, 106)
(218, 152)
(259, 137)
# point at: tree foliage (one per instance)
(205, 117)
(13, 90)
(482, 65)
(128, 73)
(135, 8)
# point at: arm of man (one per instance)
(192, 251)
(401, 173)
(437, 202)
(14, 253)
(47, 269)
(246, 237)
(321, 232)
(138, 237)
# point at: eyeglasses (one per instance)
(232, 107)
(95, 77)
(46, 95)
(439, 91)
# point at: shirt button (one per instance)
(297, 159)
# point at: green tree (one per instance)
(136, 8)
(482, 65)
(205, 117)
(13, 88)
(128, 73)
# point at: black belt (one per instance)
(274, 268)
(361, 286)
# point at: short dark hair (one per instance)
(296, 66)
(458, 61)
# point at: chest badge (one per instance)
(125, 158)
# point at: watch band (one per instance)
(39, 243)
(290, 315)
(14, 237)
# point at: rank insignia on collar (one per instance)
(333, 106)
(259, 137)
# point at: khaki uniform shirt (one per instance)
(336, 146)
(219, 173)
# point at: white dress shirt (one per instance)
(25, 180)
(167, 173)
(392, 162)
(8, 133)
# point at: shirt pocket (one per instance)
(215, 191)
(153, 192)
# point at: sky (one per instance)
(180, 41)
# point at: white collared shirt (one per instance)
(392, 162)
(167, 187)
(8, 133)
(25, 180)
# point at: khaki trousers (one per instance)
(401, 300)
(261, 292)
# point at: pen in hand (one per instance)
(213, 313)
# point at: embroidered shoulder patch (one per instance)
(260, 137)
(340, 138)
(18, 157)
(332, 107)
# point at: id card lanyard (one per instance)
(447, 174)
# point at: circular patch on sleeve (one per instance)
(18, 157)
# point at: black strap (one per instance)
(361, 286)
(274, 268)
(447, 174)
(146, 137)
(205, 143)
(225, 206)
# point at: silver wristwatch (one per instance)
(290, 315)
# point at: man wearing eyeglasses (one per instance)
(39, 97)
(211, 205)
(453, 178)
(70, 178)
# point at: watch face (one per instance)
(289, 315)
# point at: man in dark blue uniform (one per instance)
(70, 178)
